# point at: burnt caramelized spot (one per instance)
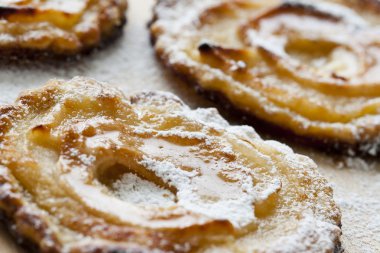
(41, 128)
(221, 51)
(6, 11)
(227, 58)
(205, 48)
(336, 76)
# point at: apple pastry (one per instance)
(57, 27)
(310, 67)
(86, 169)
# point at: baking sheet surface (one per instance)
(129, 63)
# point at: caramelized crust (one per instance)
(310, 67)
(58, 27)
(85, 169)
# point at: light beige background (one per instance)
(130, 64)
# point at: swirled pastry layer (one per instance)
(85, 169)
(55, 26)
(311, 67)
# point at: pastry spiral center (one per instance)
(206, 189)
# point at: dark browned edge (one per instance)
(338, 246)
(32, 247)
(26, 244)
(29, 246)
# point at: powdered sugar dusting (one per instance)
(312, 235)
(197, 195)
(136, 190)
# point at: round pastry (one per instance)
(85, 169)
(310, 67)
(57, 27)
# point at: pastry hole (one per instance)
(127, 184)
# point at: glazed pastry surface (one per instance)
(57, 27)
(85, 168)
(310, 67)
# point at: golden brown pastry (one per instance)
(311, 67)
(57, 26)
(85, 169)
